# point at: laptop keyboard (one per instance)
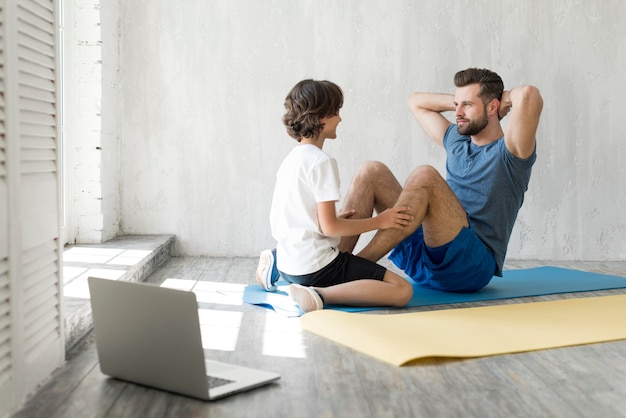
(216, 381)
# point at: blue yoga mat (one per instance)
(514, 284)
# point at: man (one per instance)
(461, 225)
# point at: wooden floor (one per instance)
(324, 379)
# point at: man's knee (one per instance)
(372, 168)
(423, 176)
(371, 172)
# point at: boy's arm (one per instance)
(525, 104)
(427, 108)
(333, 226)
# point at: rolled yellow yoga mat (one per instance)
(474, 332)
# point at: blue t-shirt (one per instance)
(490, 183)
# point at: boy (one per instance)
(305, 223)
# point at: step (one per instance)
(128, 258)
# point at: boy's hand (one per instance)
(396, 217)
(346, 214)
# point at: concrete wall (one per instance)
(92, 120)
(203, 83)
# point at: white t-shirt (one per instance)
(306, 176)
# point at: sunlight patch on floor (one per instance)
(77, 287)
(209, 292)
(219, 329)
(180, 284)
(282, 336)
(219, 293)
(91, 255)
(79, 263)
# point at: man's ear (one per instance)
(493, 107)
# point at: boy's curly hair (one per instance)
(307, 103)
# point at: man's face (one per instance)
(471, 112)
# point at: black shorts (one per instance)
(345, 268)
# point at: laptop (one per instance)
(150, 335)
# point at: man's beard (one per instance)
(473, 127)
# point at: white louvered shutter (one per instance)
(33, 292)
(7, 384)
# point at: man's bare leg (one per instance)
(373, 188)
(433, 205)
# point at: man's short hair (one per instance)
(307, 103)
(491, 85)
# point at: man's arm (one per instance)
(427, 109)
(525, 104)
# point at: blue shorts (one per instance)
(464, 265)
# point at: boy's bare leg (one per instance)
(373, 187)
(433, 205)
(393, 290)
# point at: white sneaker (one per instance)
(265, 271)
(306, 298)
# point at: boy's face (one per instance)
(330, 126)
